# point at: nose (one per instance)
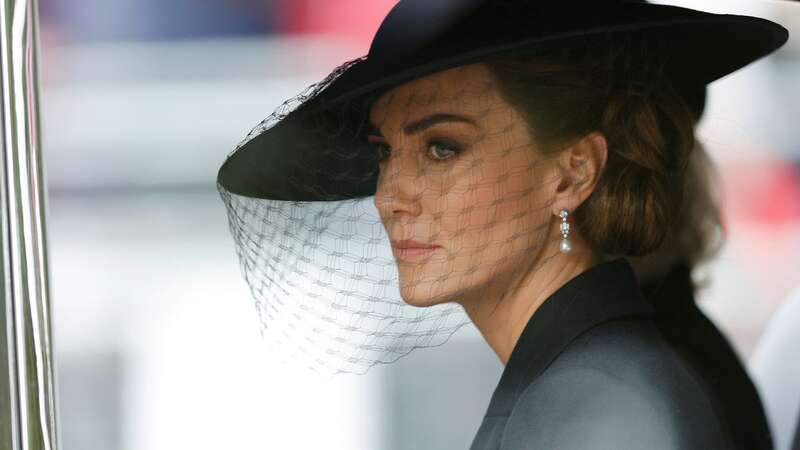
(399, 187)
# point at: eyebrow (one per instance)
(425, 123)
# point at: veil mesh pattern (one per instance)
(327, 284)
(323, 277)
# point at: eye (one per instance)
(442, 150)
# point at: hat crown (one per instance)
(424, 26)
(412, 24)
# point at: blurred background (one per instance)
(156, 336)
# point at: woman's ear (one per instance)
(580, 166)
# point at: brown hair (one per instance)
(698, 234)
(615, 86)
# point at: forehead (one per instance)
(469, 89)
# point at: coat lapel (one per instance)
(607, 291)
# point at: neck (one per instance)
(501, 322)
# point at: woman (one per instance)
(517, 153)
(618, 379)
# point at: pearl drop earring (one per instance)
(566, 245)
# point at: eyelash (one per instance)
(453, 147)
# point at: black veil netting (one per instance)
(322, 273)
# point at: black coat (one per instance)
(698, 341)
(591, 370)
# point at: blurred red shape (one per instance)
(765, 191)
(356, 19)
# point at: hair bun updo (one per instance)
(567, 93)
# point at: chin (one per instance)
(424, 295)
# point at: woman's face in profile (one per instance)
(459, 169)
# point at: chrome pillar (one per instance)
(27, 385)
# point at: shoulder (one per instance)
(617, 386)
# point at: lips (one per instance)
(410, 250)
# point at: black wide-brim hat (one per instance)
(420, 37)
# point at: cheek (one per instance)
(470, 204)
(502, 205)
(497, 193)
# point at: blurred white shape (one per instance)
(775, 366)
(152, 134)
(143, 115)
(158, 272)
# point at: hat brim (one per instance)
(281, 164)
